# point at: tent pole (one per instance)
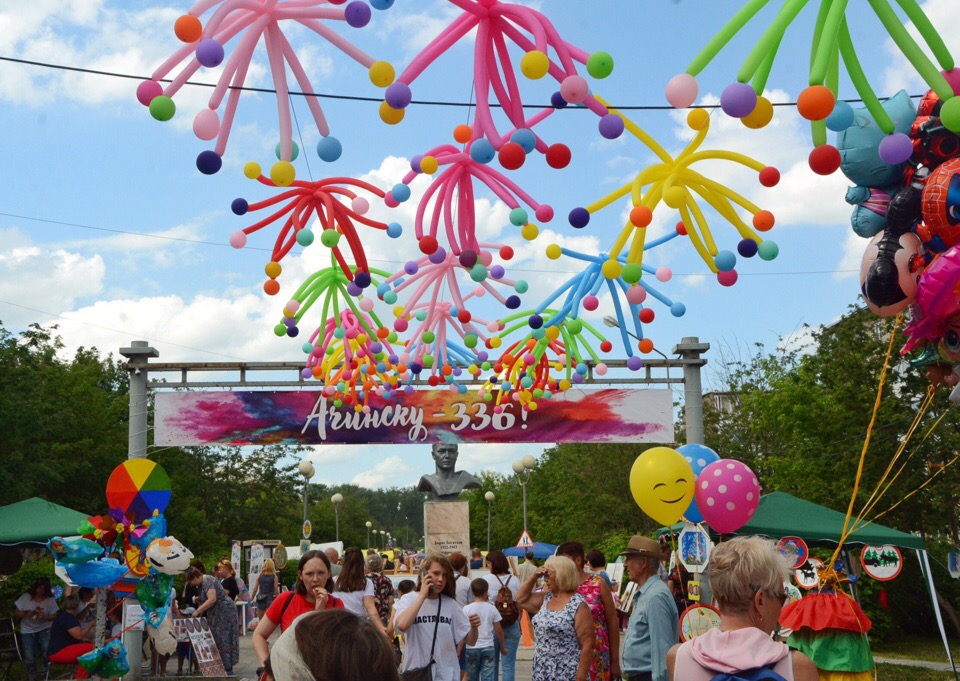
(924, 559)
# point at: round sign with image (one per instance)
(795, 550)
(698, 619)
(808, 575)
(883, 563)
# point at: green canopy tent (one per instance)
(780, 515)
(35, 520)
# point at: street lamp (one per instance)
(337, 499)
(489, 496)
(369, 525)
(307, 471)
(522, 468)
(383, 539)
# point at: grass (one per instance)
(917, 648)
(895, 672)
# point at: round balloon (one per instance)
(728, 494)
(698, 456)
(138, 487)
(662, 483)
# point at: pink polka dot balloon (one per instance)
(727, 495)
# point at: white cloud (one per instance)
(385, 473)
(900, 73)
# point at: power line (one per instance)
(358, 98)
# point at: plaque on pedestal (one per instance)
(446, 527)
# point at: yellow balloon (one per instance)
(662, 484)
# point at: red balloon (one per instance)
(429, 244)
(769, 177)
(825, 159)
(558, 156)
(506, 252)
(512, 156)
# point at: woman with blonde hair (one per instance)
(562, 622)
(747, 576)
(266, 588)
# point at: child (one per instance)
(406, 586)
(480, 656)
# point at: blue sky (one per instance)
(92, 181)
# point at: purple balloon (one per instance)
(357, 14)
(398, 95)
(354, 290)
(209, 53)
(497, 271)
(611, 126)
(410, 267)
(738, 100)
(634, 363)
(438, 256)
(579, 217)
(895, 149)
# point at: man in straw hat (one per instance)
(653, 626)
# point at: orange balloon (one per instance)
(463, 133)
(763, 221)
(188, 28)
(816, 103)
(641, 216)
(271, 287)
(645, 345)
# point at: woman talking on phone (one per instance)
(434, 624)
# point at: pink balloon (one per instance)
(147, 90)
(727, 495)
(206, 124)
(682, 91)
(574, 89)
(238, 239)
(636, 294)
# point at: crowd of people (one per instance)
(343, 618)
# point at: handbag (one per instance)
(425, 673)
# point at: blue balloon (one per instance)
(699, 457)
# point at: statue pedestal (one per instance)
(446, 527)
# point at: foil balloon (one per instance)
(889, 272)
(169, 556)
(662, 484)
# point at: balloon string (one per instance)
(866, 443)
(925, 483)
(296, 121)
(882, 488)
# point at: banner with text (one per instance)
(426, 416)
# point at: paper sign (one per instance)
(204, 647)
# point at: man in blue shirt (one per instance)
(653, 626)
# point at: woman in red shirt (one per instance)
(312, 592)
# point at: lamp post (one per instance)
(383, 539)
(691, 351)
(369, 525)
(522, 468)
(337, 499)
(307, 471)
(489, 496)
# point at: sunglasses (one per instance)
(782, 596)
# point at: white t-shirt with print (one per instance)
(353, 600)
(488, 617)
(47, 607)
(452, 628)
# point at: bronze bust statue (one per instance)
(447, 483)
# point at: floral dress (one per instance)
(600, 667)
(223, 622)
(557, 655)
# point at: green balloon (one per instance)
(470, 340)
(280, 330)
(427, 361)
(768, 250)
(305, 237)
(600, 64)
(950, 114)
(162, 108)
(631, 273)
(330, 238)
(429, 336)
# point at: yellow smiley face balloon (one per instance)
(662, 484)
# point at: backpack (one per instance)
(506, 606)
(758, 674)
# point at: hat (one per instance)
(642, 546)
